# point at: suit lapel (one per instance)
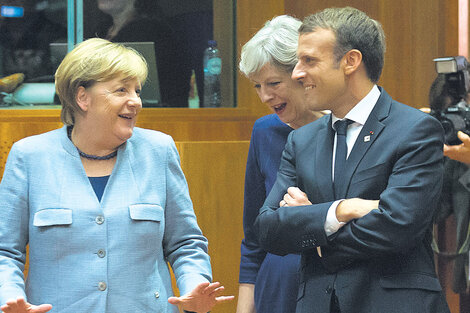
(369, 133)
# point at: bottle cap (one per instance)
(212, 43)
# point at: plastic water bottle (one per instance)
(212, 71)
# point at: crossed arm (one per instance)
(346, 210)
(408, 183)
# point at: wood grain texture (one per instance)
(251, 16)
(215, 172)
(416, 32)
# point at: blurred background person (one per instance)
(441, 98)
(269, 283)
(193, 22)
(455, 198)
(144, 21)
(24, 40)
(103, 205)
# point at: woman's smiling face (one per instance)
(281, 94)
(113, 107)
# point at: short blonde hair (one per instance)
(94, 60)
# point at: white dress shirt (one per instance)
(359, 115)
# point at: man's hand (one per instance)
(21, 306)
(460, 152)
(202, 298)
(294, 197)
(354, 208)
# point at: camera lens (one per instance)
(453, 123)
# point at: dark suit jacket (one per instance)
(382, 262)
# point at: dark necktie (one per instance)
(341, 127)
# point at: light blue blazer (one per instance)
(90, 256)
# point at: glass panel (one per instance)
(26, 29)
(35, 43)
(180, 31)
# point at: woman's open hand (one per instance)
(21, 306)
(202, 298)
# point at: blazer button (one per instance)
(101, 253)
(102, 286)
(157, 295)
(99, 219)
(328, 289)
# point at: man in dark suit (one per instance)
(361, 223)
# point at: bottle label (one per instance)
(214, 66)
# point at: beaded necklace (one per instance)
(90, 156)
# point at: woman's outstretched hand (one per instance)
(21, 306)
(202, 298)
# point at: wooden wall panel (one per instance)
(11, 132)
(417, 31)
(251, 16)
(303, 8)
(216, 127)
(181, 124)
(215, 173)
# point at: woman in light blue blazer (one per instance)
(103, 205)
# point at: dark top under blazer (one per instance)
(276, 278)
(382, 262)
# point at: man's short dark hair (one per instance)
(353, 30)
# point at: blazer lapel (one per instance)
(369, 133)
(121, 186)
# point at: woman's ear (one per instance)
(352, 60)
(82, 98)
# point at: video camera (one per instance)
(454, 113)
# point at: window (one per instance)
(34, 37)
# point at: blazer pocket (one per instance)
(146, 212)
(51, 217)
(411, 280)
